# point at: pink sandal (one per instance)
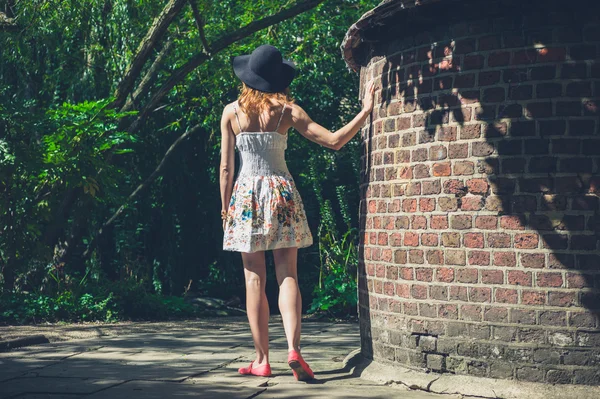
(301, 370)
(262, 371)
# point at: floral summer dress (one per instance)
(265, 211)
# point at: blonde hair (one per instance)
(254, 101)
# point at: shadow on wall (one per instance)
(537, 109)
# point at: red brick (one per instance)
(415, 256)
(458, 150)
(427, 204)
(472, 62)
(424, 274)
(492, 277)
(402, 222)
(442, 169)
(533, 298)
(435, 257)
(461, 222)
(559, 298)
(575, 280)
(438, 152)
(382, 238)
(512, 222)
(429, 240)
(526, 240)
(472, 203)
(389, 222)
(378, 286)
(552, 54)
(549, 279)
(403, 290)
(400, 256)
(464, 168)
(470, 312)
(388, 288)
(418, 222)
(396, 239)
(470, 131)
(486, 222)
(405, 172)
(380, 271)
(391, 272)
(473, 240)
(505, 259)
(419, 291)
(444, 275)
(370, 269)
(448, 311)
(504, 295)
(372, 206)
(477, 186)
(386, 255)
(451, 240)
(480, 294)
(479, 258)
(458, 293)
(439, 222)
(406, 273)
(447, 133)
(467, 275)
(409, 205)
(533, 260)
(498, 59)
(498, 240)
(454, 186)
(455, 257)
(448, 204)
(496, 314)
(517, 277)
(524, 57)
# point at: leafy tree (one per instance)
(96, 98)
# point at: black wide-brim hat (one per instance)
(264, 69)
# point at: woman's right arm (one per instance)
(227, 166)
(334, 140)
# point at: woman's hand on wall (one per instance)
(368, 99)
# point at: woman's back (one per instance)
(267, 121)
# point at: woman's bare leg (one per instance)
(290, 299)
(257, 306)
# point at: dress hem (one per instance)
(269, 248)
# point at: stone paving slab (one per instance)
(184, 362)
(317, 391)
(55, 385)
(166, 390)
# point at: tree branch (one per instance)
(156, 31)
(200, 26)
(180, 73)
(142, 187)
(149, 78)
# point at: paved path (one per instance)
(175, 362)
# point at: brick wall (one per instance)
(480, 210)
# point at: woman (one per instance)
(263, 210)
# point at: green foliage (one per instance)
(35, 308)
(76, 149)
(336, 292)
(125, 300)
(56, 78)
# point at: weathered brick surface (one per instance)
(481, 178)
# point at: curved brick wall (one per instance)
(480, 209)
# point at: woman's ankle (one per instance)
(261, 362)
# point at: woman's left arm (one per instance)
(227, 168)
